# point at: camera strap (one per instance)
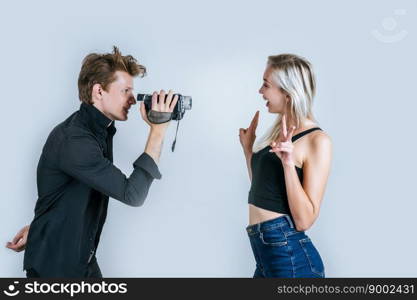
(159, 117)
(175, 140)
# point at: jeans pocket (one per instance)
(273, 237)
(313, 256)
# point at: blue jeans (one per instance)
(282, 252)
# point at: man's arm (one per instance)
(82, 158)
(154, 143)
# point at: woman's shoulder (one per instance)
(317, 146)
(320, 136)
(320, 141)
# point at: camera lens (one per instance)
(187, 102)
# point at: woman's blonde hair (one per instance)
(294, 75)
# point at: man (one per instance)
(76, 177)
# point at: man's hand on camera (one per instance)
(160, 104)
(157, 133)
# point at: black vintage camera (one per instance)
(184, 103)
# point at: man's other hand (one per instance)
(19, 241)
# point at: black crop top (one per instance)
(268, 182)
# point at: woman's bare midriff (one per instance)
(258, 215)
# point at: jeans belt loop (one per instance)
(289, 221)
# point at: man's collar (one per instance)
(96, 120)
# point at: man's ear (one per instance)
(97, 92)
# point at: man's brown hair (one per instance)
(101, 68)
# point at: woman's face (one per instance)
(272, 93)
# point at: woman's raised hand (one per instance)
(247, 136)
(283, 146)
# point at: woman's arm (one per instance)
(248, 156)
(304, 200)
(247, 138)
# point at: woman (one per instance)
(288, 169)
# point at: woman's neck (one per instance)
(306, 123)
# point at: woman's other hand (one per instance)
(247, 136)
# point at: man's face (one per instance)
(117, 100)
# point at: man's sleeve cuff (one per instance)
(147, 163)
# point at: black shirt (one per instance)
(75, 178)
(268, 190)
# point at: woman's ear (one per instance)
(287, 98)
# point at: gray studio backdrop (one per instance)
(193, 221)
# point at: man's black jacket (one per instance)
(75, 178)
